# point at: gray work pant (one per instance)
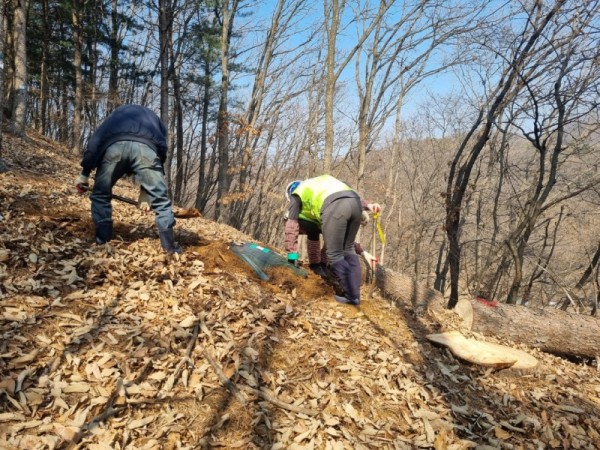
(341, 221)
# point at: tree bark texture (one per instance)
(228, 11)
(2, 12)
(77, 58)
(115, 43)
(42, 118)
(589, 270)
(20, 73)
(201, 192)
(332, 17)
(249, 133)
(550, 330)
(164, 29)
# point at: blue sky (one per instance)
(439, 85)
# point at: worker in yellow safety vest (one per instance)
(337, 210)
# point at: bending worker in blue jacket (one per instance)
(131, 140)
(337, 209)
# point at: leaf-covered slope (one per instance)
(120, 347)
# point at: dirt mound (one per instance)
(121, 347)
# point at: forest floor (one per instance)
(121, 347)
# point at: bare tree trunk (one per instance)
(363, 136)
(597, 296)
(19, 111)
(590, 268)
(462, 165)
(249, 134)
(332, 22)
(228, 11)
(2, 28)
(549, 329)
(517, 253)
(333, 12)
(179, 173)
(441, 269)
(201, 194)
(390, 198)
(43, 125)
(311, 144)
(77, 49)
(164, 26)
(484, 282)
(314, 112)
(113, 88)
(63, 107)
(542, 263)
(379, 77)
(91, 48)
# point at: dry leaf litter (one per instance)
(120, 347)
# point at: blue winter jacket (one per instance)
(126, 123)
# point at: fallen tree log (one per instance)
(550, 330)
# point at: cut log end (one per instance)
(484, 353)
(550, 330)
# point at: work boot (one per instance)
(318, 269)
(346, 301)
(354, 276)
(167, 242)
(342, 272)
(345, 271)
(103, 232)
(332, 280)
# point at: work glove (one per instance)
(370, 259)
(293, 258)
(364, 219)
(374, 207)
(82, 184)
(144, 200)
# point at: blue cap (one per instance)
(291, 187)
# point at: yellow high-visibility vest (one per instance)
(313, 193)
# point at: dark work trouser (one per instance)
(341, 221)
(126, 157)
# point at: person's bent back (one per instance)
(131, 140)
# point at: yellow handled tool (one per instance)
(379, 229)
